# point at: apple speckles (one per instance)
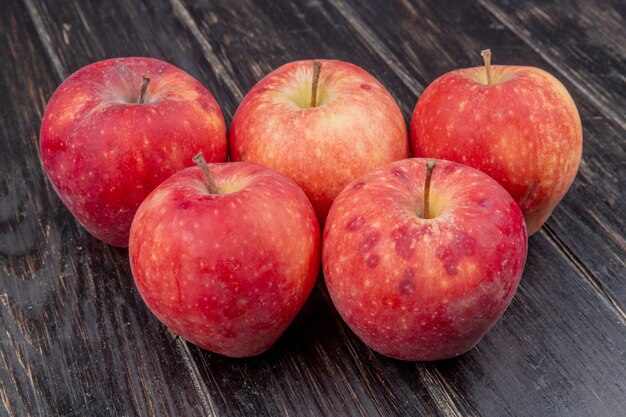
(358, 185)
(366, 87)
(405, 238)
(451, 254)
(355, 223)
(407, 282)
(507, 229)
(402, 241)
(447, 169)
(379, 138)
(102, 115)
(414, 288)
(399, 173)
(369, 241)
(372, 261)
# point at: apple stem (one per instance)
(211, 185)
(430, 165)
(144, 88)
(317, 68)
(486, 54)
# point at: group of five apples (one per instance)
(420, 256)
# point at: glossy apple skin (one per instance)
(103, 152)
(423, 289)
(227, 272)
(523, 130)
(356, 127)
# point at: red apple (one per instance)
(226, 266)
(106, 143)
(417, 287)
(521, 127)
(323, 134)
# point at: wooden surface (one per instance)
(76, 339)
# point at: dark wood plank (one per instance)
(73, 342)
(537, 386)
(256, 38)
(553, 353)
(364, 398)
(430, 40)
(319, 368)
(585, 41)
(559, 349)
(408, 53)
(79, 33)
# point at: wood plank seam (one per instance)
(359, 364)
(586, 273)
(46, 40)
(224, 74)
(185, 17)
(593, 281)
(192, 368)
(20, 356)
(210, 405)
(187, 20)
(377, 46)
(527, 39)
(440, 392)
(62, 73)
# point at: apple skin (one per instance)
(423, 289)
(104, 152)
(227, 272)
(523, 130)
(356, 127)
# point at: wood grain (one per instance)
(585, 41)
(545, 356)
(420, 33)
(77, 340)
(73, 342)
(587, 47)
(326, 20)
